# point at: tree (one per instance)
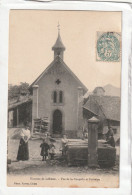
(15, 91)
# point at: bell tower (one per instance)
(58, 47)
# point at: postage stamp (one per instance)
(108, 46)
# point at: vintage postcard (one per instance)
(64, 99)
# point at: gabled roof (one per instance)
(58, 59)
(18, 103)
(58, 44)
(110, 106)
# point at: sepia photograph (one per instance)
(64, 99)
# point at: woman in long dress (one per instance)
(23, 151)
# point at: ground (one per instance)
(35, 165)
(36, 172)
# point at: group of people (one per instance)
(47, 150)
(47, 147)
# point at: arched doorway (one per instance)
(57, 122)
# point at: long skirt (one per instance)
(23, 152)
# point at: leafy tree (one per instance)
(15, 91)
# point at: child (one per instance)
(44, 150)
(64, 141)
(52, 151)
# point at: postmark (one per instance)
(108, 46)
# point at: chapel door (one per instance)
(57, 122)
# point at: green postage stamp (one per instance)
(108, 46)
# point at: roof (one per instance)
(109, 105)
(58, 59)
(95, 90)
(58, 44)
(15, 104)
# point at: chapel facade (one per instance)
(57, 95)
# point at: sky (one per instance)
(32, 33)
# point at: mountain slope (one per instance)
(112, 90)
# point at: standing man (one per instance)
(110, 137)
(111, 141)
(109, 133)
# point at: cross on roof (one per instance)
(58, 27)
(58, 81)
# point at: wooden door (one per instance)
(57, 122)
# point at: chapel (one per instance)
(60, 98)
(57, 95)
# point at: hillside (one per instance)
(112, 90)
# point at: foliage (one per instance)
(15, 91)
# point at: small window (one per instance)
(115, 130)
(61, 97)
(55, 96)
